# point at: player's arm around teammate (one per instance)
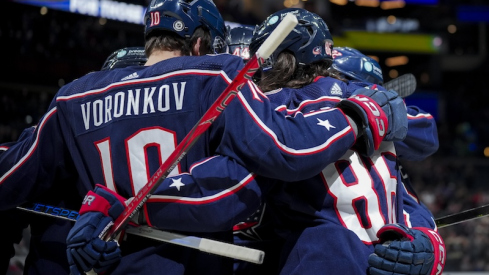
(79, 133)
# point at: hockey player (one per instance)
(355, 67)
(47, 248)
(114, 127)
(125, 57)
(421, 141)
(259, 217)
(364, 71)
(201, 229)
(47, 236)
(238, 41)
(164, 200)
(48, 240)
(332, 222)
(352, 65)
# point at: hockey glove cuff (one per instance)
(404, 250)
(394, 108)
(371, 121)
(85, 248)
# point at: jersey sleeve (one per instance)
(283, 146)
(27, 169)
(217, 194)
(422, 136)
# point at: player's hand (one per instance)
(370, 119)
(85, 248)
(394, 108)
(406, 250)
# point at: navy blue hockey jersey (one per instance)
(330, 221)
(116, 128)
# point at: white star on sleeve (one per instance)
(325, 123)
(177, 183)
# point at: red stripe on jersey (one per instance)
(292, 151)
(203, 200)
(195, 164)
(305, 103)
(420, 116)
(244, 225)
(146, 80)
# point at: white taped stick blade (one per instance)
(237, 252)
(277, 36)
(202, 244)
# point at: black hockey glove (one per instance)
(85, 248)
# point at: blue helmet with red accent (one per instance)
(310, 41)
(125, 57)
(354, 65)
(238, 41)
(183, 17)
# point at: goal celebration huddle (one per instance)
(219, 150)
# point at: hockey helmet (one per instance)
(354, 65)
(309, 41)
(183, 17)
(238, 41)
(130, 56)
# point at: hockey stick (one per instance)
(404, 85)
(467, 215)
(202, 244)
(265, 50)
(51, 211)
(205, 245)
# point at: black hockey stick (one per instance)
(467, 215)
(202, 244)
(50, 211)
(404, 85)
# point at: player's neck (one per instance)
(158, 56)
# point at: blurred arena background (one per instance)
(45, 44)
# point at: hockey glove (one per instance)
(371, 121)
(395, 110)
(406, 250)
(85, 248)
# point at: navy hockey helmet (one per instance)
(354, 65)
(238, 41)
(184, 16)
(130, 56)
(310, 41)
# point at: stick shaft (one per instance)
(467, 215)
(202, 244)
